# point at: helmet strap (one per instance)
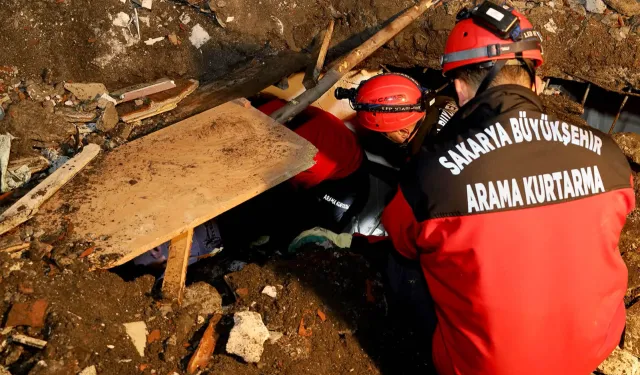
(493, 72)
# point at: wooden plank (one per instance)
(148, 191)
(28, 205)
(176, 271)
(313, 71)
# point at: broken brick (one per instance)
(369, 287)
(242, 292)
(302, 331)
(153, 336)
(205, 349)
(143, 367)
(25, 288)
(322, 315)
(28, 314)
(87, 252)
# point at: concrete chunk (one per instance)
(620, 362)
(86, 91)
(137, 332)
(247, 336)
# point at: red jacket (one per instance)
(515, 218)
(339, 153)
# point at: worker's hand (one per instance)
(322, 237)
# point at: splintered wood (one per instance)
(151, 190)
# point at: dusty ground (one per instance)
(359, 334)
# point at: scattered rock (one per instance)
(25, 288)
(173, 38)
(122, 20)
(270, 291)
(95, 139)
(109, 118)
(322, 316)
(152, 41)
(629, 143)
(621, 33)
(199, 36)
(104, 101)
(147, 4)
(137, 332)
(551, 26)
(620, 362)
(202, 298)
(242, 292)
(39, 91)
(75, 116)
(86, 91)
(91, 370)
(629, 8)
(13, 356)
(274, 336)
(247, 336)
(185, 19)
(28, 314)
(153, 336)
(596, 6)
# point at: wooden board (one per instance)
(176, 272)
(149, 191)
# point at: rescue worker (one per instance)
(513, 216)
(395, 115)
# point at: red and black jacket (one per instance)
(515, 218)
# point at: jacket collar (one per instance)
(496, 101)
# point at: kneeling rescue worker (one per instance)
(513, 216)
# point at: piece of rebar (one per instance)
(354, 57)
(624, 101)
(586, 93)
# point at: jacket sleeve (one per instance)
(411, 237)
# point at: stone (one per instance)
(86, 91)
(551, 26)
(274, 336)
(629, 143)
(632, 331)
(28, 314)
(247, 336)
(153, 336)
(199, 36)
(270, 291)
(91, 370)
(104, 100)
(147, 4)
(75, 116)
(628, 8)
(39, 91)
(109, 118)
(173, 38)
(202, 298)
(137, 332)
(596, 6)
(620, 362)
(122, 20)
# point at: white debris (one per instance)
(270, 291)
(274, 336)
(147, 4)
(247, 336)
(145, 20)
(152, 41)
(185, 19)
(91, 370)
(551, 26)
(137, 332)
(552, 4)
(123, 1)
(111, 346)
(279, 23)
(68, 103)
(104, 99)
(200, 319)
(596, 6)
(122, 20)
(620, 362)
(199, 36)
(230, 19)
(86, 91)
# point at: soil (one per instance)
(358, 334)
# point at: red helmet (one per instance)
(389, 102)
(472, 41)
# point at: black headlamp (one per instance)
(494, 18)
(427, 100)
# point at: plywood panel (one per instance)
(150, 190)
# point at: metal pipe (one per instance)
(624, 101)
(586, 93)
